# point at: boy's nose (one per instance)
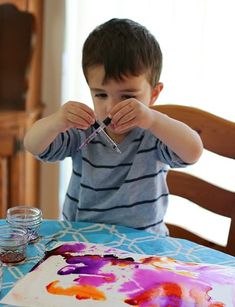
(111, 103)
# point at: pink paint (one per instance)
(149, 281)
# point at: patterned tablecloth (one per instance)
(127, 239)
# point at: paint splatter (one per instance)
(150, 281)
(86, 274)
(81, 292)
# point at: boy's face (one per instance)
(106, 95)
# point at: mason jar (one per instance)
(29, 218)
(13, 243)
(1, 275)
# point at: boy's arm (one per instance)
(41, 135)
(183, 140)
(45, 130)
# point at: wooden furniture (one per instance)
(20, 99)
(218, 136)
(6, 151)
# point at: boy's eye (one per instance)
(128, 96)
(101, 95)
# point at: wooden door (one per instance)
(12, 161)
(6, 152)
(20, 99)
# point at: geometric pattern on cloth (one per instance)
(128, 239)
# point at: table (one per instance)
(128, 239)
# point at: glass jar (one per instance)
(1, 275)
(26, 217)
(13, 243)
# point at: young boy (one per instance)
(122, 63)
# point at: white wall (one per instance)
(52, 72)
(198, 43)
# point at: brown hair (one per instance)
(123, 47)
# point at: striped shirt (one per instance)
(127, 189)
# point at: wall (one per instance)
(51, 96)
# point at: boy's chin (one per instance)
(116, 135)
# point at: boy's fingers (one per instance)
(118, 107)
(77, 107)
(126, 118)
(83, 117)
(82, 113)
(121, 113)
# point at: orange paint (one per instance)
(155, 261)
(171, 289)
(81, 292)
(164, 290)
(110, 278)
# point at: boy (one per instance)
(122, 63)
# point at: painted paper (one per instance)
(86, 274)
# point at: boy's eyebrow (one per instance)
(132, 90)
(97, 89)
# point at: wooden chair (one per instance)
(218, 136)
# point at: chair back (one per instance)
(218, 136)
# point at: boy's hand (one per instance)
(45, 130)
(73, 115)
(131, 113)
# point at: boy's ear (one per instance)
(155, 93)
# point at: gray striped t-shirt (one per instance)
(127, 189)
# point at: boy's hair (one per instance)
(123, 47)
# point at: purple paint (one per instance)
(151, 281)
